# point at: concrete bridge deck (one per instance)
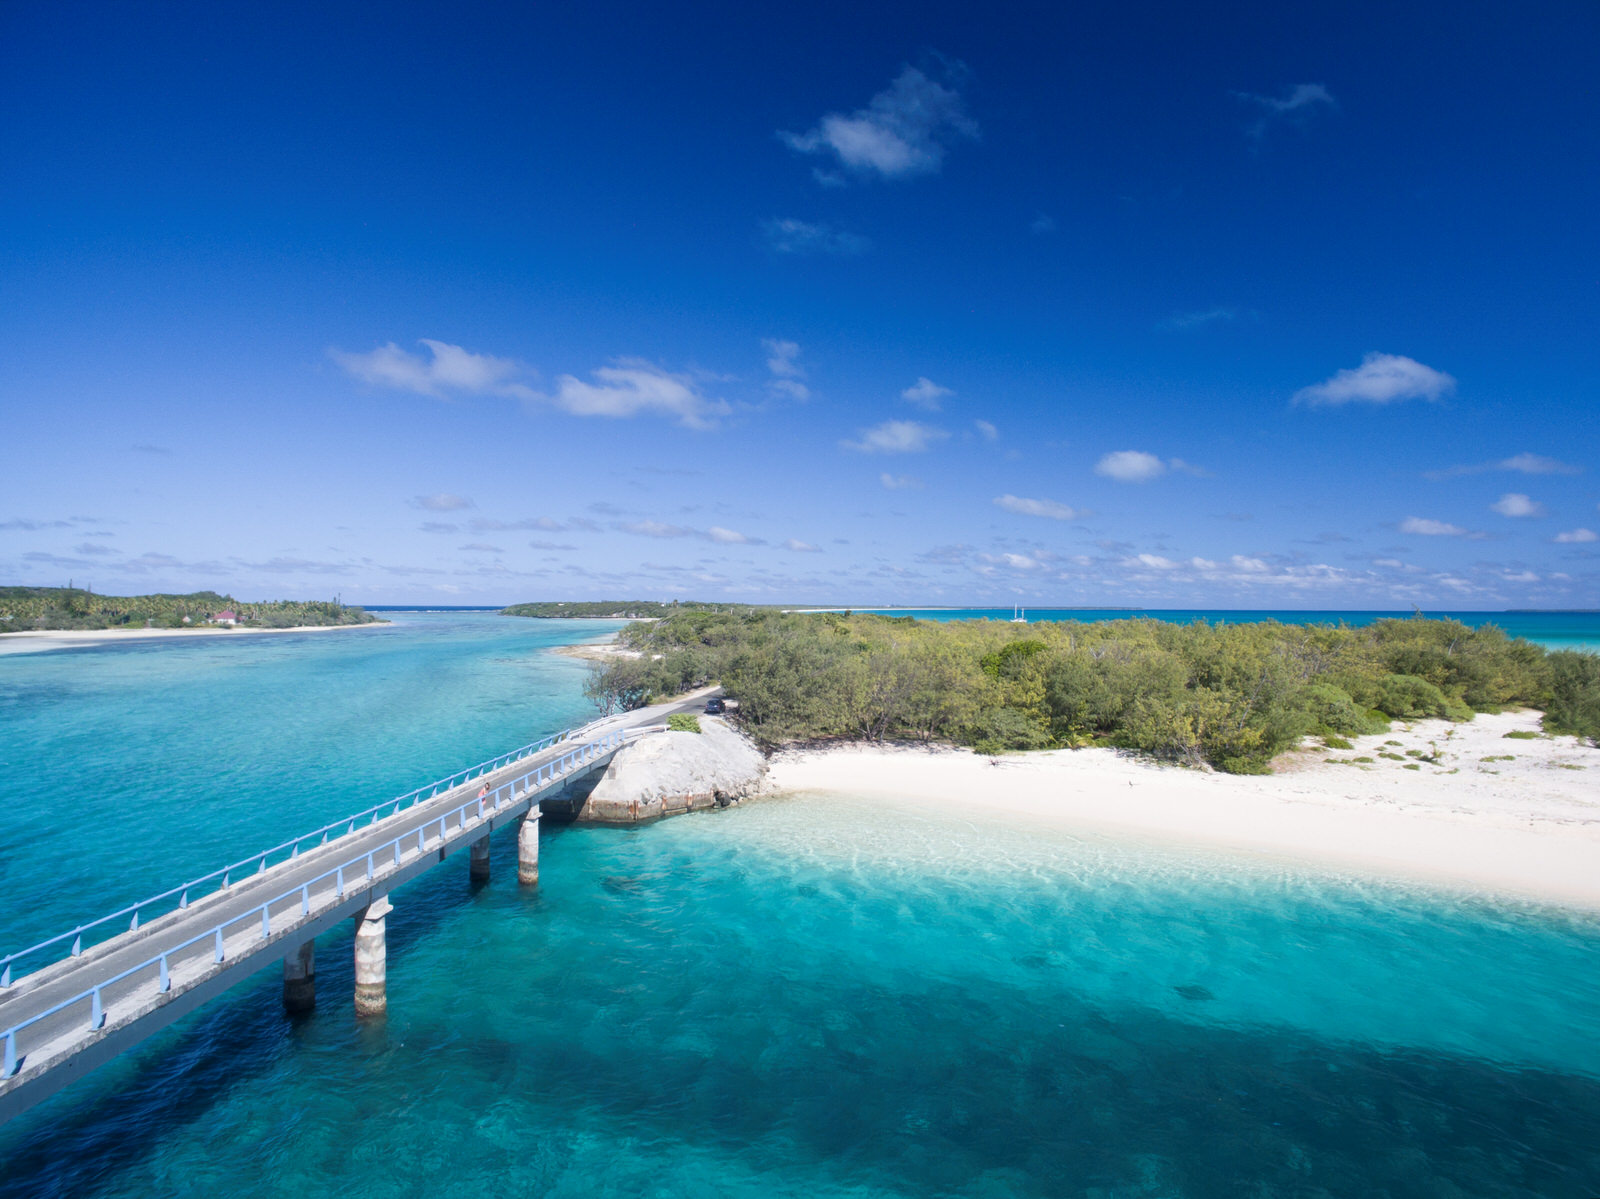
(65, 1018)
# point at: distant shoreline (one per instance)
(44, 640)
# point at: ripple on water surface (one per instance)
(821, 995)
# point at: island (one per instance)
(614, 609)
(1229, 697)
(75, 609)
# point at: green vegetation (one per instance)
(1521, 735)
(1232, 696)
(683, 722)
(615, 609)
(1334, 741)
(26, 609)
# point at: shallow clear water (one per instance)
(819, 995)
(130, 768)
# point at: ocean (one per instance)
(1554, 630)
(802, 995)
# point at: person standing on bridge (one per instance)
(483, 796)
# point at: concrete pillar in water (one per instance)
(528, 848)
(300, 979)
(372, 959)
(479, 869)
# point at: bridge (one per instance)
(77, 1000)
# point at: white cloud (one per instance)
(1516, 504)
(1533, 464)
(442, 501)
(1043, 223)
(986, 430)
(655, 528)
(1524, 463)
(801, 547)
(1380, 379)
(903, 131)
(1130, 466)
(631, 387)
(899, 482)
(787, 235)
(448, 368)
(1156, 562)
(1050, 509)
(1302, 95)
(786, 371)
(1430, 528)
(1297, 104)
(781, 357)
(726, 536)
(1202, 317)
(1009, 561)
(1248, 565)
(896, 437)
(480, 524)
(925, 393)
(1577, 536)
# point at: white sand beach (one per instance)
(595, 651)
(50, 639)
(1479, 811)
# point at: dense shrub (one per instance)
(1330, 709)
(998, 729)
(1573, 698)
(1408, 697)
(1232, 696)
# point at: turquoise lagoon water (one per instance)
(1556, 630)
(804, 995)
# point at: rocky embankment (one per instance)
(664, 774)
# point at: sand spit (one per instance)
(1463, 805)
(50, 639)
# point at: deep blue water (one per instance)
(1556, 630)
(803, 995)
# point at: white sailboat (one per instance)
(1018, 615)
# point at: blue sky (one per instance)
(1122, 303)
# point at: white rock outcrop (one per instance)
(663, 774)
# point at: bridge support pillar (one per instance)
(372, 959)
(300, 979)
(528, 848)
(479, 867)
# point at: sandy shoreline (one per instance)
(605, 649)
(50, 639)
(1527, 827)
